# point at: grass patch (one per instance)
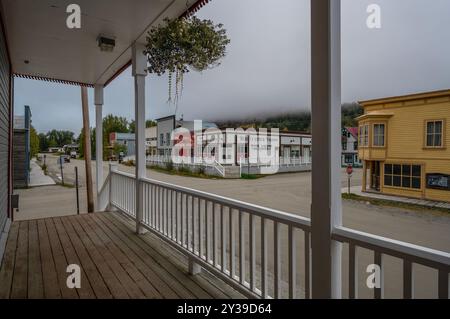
(183, 171)
(391, 203)
(251, 176)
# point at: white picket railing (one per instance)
(262, 252)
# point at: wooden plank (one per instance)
(128, 264)
(216, 287)
(86, 291)
(126, 281)
(60, 261)
(209, 282)
(35, 282)
(171, 273)
(19, 289)
(9, 258)
(153, 277)
(49, 278)
(164, 278)
(99, 287)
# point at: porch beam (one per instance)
(326, 210)
(139, 71)
(98, 101)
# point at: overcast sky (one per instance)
(267, 66)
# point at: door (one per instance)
(375, 170)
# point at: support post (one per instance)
(326, 210)
(87, 149)
(139, 71)
(98, 101)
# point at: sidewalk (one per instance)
(37, 176)
(356, 190)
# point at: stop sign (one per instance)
(349, 169)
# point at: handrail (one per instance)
(219, 167)
(298, 221)
(395, 248)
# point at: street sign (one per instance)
(349, 169)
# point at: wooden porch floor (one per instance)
(115, 263)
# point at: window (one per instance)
(355, 146)
(344, 146)
(434, 134)
(404, 176)
(168, 139)
(364, 135)
(348, 159)
(161, 139)
(378, 135)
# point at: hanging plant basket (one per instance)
(178, 46)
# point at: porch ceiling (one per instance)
(36, 32)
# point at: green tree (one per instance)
(34, 142)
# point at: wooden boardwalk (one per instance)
(115, 263)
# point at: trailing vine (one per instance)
(181, 45)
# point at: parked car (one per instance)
(73, 154)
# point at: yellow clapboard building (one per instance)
(404, 143)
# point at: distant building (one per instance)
(126, 139)
(21, 149)
(151, 140)
(350, 147)
(404, 143)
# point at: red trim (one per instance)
(188, 13)
(43, 78)
(123, 68)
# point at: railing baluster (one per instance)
(223, 242)
(186, 199)
(252, 252)
(352, 272)
(263, 259)
(177, 225)
(307, 265)
(192, 224)
(207, 255)
(378, 260)
(172, 221)
(408, 280)
(199, 226)
(214, 248)
(292, 262)
(182, 219)
(232, 270)
(444, 282)
(277, 261)
(241, 248)
(167, 212)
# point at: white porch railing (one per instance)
(262, 252)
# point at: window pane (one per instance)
(416, 183)
(438, 127)
(388, 180)
(388, 168)
(437, 140)
(406, 182)
(397, 169)
(430, 140)
(406, 170)
(397, 181)
(430, 128)
(416, 170)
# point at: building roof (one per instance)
(353, 131)
(403, 98)
(41, 46)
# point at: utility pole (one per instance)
(87, 149)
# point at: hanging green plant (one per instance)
(180, 45)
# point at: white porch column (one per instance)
(326, 210)
(98, 101)
(139, 70)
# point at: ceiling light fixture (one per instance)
(106, 44)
